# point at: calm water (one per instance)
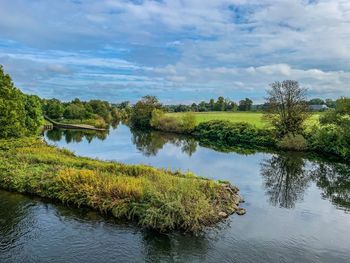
(297, 209)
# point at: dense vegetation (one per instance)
(153, 198)
(228, 134)
(20, 114)
(161, 121)
(94, 112)
(333, 134)
(141, 113)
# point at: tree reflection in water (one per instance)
(285, 179)
(150, 142)
(334, 180)
(75, 135)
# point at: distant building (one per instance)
(318, 107)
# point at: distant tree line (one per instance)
(225, 104)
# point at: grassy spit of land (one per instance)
(153, 198)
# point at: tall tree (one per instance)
(12, 112)
(141, 114)
(287, 107)
(19, 114)
(245, 105)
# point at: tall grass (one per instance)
(154, 198)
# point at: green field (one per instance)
(254, 118)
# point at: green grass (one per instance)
(153, 198)
(254, 118)
(98, 123)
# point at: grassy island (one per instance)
(153, 198)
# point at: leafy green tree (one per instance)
(245, 105)
(316, 101)
(101, 108)
(75, 111)
(141, 114)
(343, 106)
(287, 107)
(34, 115)
(12, 111)
(20, 114)
(220, 104)
(54, 109)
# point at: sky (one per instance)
(181, 51)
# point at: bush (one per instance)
(331, 139)
(234, 134)
(293, 142)
(162, 122)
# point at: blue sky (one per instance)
(181, 51)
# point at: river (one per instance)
(297, 208)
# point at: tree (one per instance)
(12, 112)
(287, 107)
(316, 101)
(75, 111)
(141, 114)
(220, 104)
(20, 114)
(343, 106)
(54, 109)
(34, 115)
(245, 105)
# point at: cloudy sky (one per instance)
(179, 50)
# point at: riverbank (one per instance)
(329, 141)
(153, 198)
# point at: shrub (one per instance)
(162, 122)
(293, 142)
(234, 134)
(331, 139)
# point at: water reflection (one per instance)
(76, 136)
(150, 142)
(334, 180)
(285, 179)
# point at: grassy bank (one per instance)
(98, 122)
(153, 198)
(254, 118)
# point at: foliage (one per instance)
(185, 124)
(75, 111)
(234, 134)
(331, 139)
(141, 114)
(245, 105)
(34, 114)
(53, 108)
(293, 142)
(94, 112)
(20, 114)
(333, 134)
(287, 107)
(153, 198)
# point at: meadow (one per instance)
(254, 118)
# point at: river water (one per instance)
(297, 208)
